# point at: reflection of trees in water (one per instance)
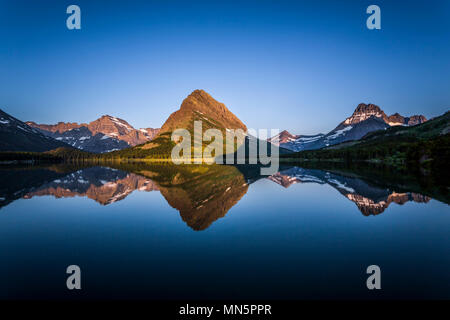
(201, 193)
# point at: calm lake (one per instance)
(188, 232)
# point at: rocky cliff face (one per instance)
(60, 127)
(149, 133)
(414, 120)
(105, 134)
(398, 120)
(364, 112)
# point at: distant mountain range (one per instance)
(200, 196)
(366, 118)
(108, 133)
(424, 147)
(111, 134)
(105, 134)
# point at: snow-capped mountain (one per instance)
(344, 133)
(366, 118)
(105, 134)
(16, 135)
(365, 111)
(285, 138)
(82, 138)
(294, 142)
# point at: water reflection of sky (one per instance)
(305, 241)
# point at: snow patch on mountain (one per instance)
(340, 132)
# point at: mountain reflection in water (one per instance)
(201, 194)
(370, 200)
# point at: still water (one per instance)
(164, 232)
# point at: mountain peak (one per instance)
(112, 127)
(200, 92)
(367, 108)
(110, 118)
(200, 99)
(200, 105)
(283, 137)
(416, 119)
(365, 111)
(197, 96)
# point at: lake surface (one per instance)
(188, 232)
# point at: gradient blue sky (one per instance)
(301, 66)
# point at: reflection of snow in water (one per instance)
(341, 186)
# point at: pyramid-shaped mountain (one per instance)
(198, 106)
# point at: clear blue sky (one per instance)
(301, 66)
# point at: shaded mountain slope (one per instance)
(16, 135)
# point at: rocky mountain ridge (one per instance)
(365, 111)
(105, 134)
(366, 118)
